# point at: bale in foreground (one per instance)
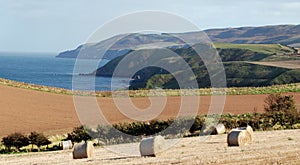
(240, 136)
(83, 150)
(250, 132)
(151, 146)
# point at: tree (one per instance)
(7, 142)
(79, 134)
(16, 140)
(38, 139)
(282, 109)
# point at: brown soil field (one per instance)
(295, 64)
(23, 110)
(269, 147)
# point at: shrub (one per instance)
(7, 142)
(102, 133)
(230, 121)
(278, 127)
(296, 126)
(38, 139)
(16, 140)
(177, 127)
(198, 123)
(79, 134)
(281, 110)
(55, 148)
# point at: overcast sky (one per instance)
(58, 25)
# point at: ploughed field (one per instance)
(23, 110)
(269, 147)
(293, 64)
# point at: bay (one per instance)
(47, 70)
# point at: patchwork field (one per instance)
(270, 147)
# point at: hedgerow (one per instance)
(280, 113)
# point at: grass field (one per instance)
(261, 48)
(158, 92)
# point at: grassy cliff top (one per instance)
(158, 92)
(261, 48)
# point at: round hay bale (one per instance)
(151, 146)
(238, 137)
(83, 150)
(218, 129)
(66, 145)
(250, 132)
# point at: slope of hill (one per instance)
(240, 64)
(121, 44)
(283, 34)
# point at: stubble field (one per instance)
(270, 147)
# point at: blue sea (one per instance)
(47, 70)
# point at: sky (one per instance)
(59, 25)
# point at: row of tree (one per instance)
(18, 140)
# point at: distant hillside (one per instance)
(236, 57)
(121, 44)
(282, 34)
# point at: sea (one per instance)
(48, 70)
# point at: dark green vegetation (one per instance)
(282, 110)
(20, 143)
(38, 139)
(78, 134)
(14, 142)
(235, 57)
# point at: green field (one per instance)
(261, 48)
(295, 87)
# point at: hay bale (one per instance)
(83, 150)
(238, 137)
(151, 146)
(250, 132)
(218, 129)
(66, 145)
